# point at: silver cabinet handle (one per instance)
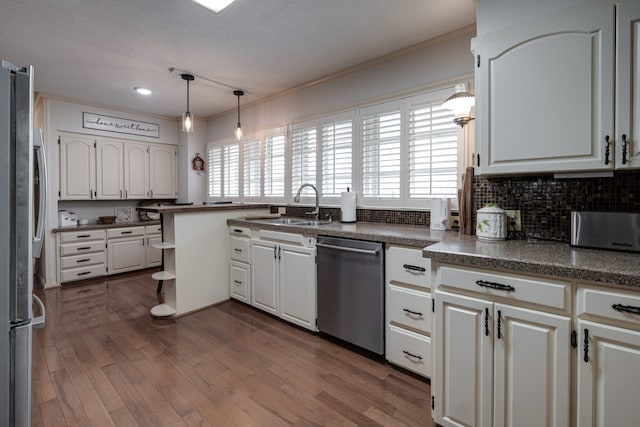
(42, 199)
(348, 249)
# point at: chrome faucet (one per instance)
(316, 211)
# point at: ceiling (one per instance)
(98, 51)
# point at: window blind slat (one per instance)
(274, 163)
(337, 146)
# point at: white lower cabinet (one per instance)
(498, 363)
(608, 360)
(239, 264)
(81, 255)
(153, 253)
(408, 309)
(240, 275)
(125, 249)
(283, 280)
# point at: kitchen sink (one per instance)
(293, 221)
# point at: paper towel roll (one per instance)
(348, 206)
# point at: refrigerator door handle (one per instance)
(42, 204)
(38, 322)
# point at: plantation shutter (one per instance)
(304, 144)
(214, 171)
(337, 158)
(381, 128)
(231, 170)
(274, 172)
(251, 153)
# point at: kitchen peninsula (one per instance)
(196, 242)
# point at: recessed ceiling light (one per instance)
(216, 5)
(142, 91)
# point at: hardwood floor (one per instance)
(103, 361)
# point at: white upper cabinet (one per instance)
(77, 167)
(162, 167)
(109, 169)
(546, 93)
(136, 171)
(106, 168)
(628, 85)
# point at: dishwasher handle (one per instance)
(349, 249)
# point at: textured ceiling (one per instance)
(97, 51)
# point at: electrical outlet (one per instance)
(514, 222)
(282, 210)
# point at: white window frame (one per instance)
(352, 116)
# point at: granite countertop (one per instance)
(202, 208)
(540, 257)
(526, 256)
(407, 235)
(103, 226)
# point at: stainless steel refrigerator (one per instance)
(18, 244)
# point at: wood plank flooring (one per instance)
(103, 361)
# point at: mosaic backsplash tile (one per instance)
(546, 203)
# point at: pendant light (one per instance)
(238, 93)
(461, 103)
(187, 117)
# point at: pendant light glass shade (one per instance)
(187, 117)
(238, 93)
(460, 103)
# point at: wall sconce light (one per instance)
(461, 103)
(187, 117)
(238, 93)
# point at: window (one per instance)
(274, 172)
(304, 143)
(433, 151)
(381, 129)
(214, 171)
(252, 181)
(337, 162)
(231, 168)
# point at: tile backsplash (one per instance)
(545, 203)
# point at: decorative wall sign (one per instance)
(124, 214)
(120, 125)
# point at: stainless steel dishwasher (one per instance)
(350, 291)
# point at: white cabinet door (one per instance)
(531, 368)
(125, 254)
(463, 376)
(77, 167)
(162, 167)
(298, 285)
(545, 94)
(136, 171)
(628, 84)
(153, 255)
(608, 375)
(109, 169)
(239, 273)
(264, 276)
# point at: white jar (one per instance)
(491, 223)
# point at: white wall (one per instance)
(192, 186)
(58, 115)
(415, 70)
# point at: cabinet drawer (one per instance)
(530, 290)
(409, 350)
(153, 229)
(407, 265)
(239, 274)
(239, 249)
(114, 233)
(82, 247)
(82, 260)
(80, 236)
(81, 273)
(609, 304)
(409, 307)
(240, 231)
